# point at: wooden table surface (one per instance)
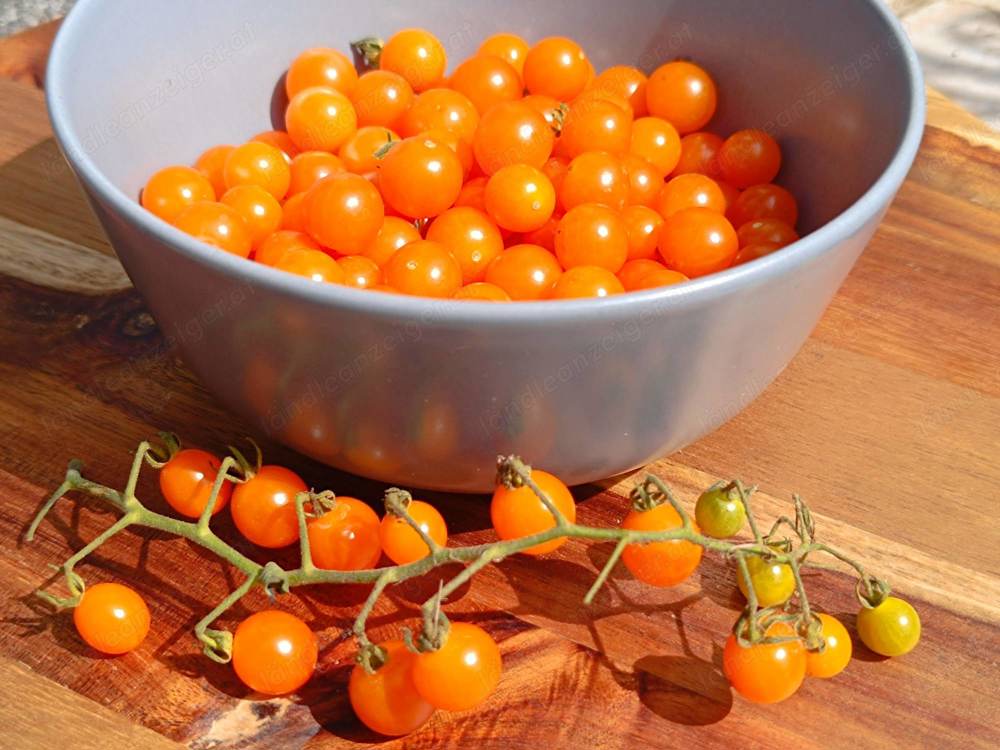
(888, 422)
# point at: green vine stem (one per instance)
(750, 628)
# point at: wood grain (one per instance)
(886, 422)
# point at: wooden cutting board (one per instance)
(888, 422)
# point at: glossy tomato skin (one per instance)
(520, 198)
(401, 543)
(595, 177)
(698, 241)
(657, 141)
(172, 189)
(660, 563)
(394, 234)
(256, 163)
(764, 202)
(482, 291)
(556, 67)
(381, 97)
(471, 237)
(463, 673)
(111, 618)
(836, 653)
(525, 272)
(509, 47)
(360, 272)
(441, 109)
(309, 167)
(645, 181)
(773, 582)
(314, 265)
(519, 512)
(749, 157)
(700, 155)
(274, 247)
(218, 225)
(359, 151)
(512, 133)
(766, 673)
(346, 537)
(186, 482)
(417, 55)
(211, 163)
(424, 269)
(487, 80)
(263, 507)
(280, 140)
(261, 212)
(683, 94)
(890, 629)
(420, 178)
(755, 251)
(596, 124)
(344, 212)
(274, 652)
(772, 231)
(633, 272)
(592, 235)
(720, 514)
(626, 82)
(388, 702)
(321, 66)
(320, 119)
(690, 191)
(586, 281)
(643, 225)
(659, 278)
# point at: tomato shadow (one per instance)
(860, 651)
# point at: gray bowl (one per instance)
(427, 393)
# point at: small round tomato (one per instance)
(471, 236)
(508, 47)
(700, 155)
(698, 241)
(659, 563)
(644, 181)
(424, 269)
(461, 147)
(764, 202)
(683, 94)
(293, 213)
(461, 674)
(314, 265)
(173, 189)
(274, 247)
(525, 272)
(545, 235)
(309, 167)
(394, 234)
(260, 210)
(656, 141)
(344, 212)
(401, 543)
(186, 482)
(767, 230)
(263, 507)
(360, 272)
(753, 252)
(321, 66)
(216, 224)
(595, 124)
(627, 82)
(420, 178)
(595, 177)
(519, 512)
(658, 278)
(890, 629)
(441, 109)
(359, 152)
(274, 652)
(555, 168)
(556, 67)
(720, 513)
(417, 55)
(633, 272)
(551, 109)
(592, 235)
(836, 652)
(280, 140)
(512, 133)
(381, 98)
(766, 672)
(320, 119)
(749, 157)
(689, 191)
(211, 164)
(773, 582)
(520, 198)
(487, 80)
(346, 537)
(387, 701)
(643, 227)
(473, 194)
(111, 618)
(481, 291)
(586, 281)
(257, 163)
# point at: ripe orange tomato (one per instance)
(683, 94)
(424, 269)
(344, 212)
(473, 194)
(274, 652)
(471, 237)
(346, 537)
(749, 157)
(556, 67)
(656, 141)
(381, 98)
(186, 482)
(545, 235)
(633, 272)
(401, 543)
(260, 210)
(512, 133)
(481, 291)
(111, 618)
(658, 278)
(836, 653)
(659, 563)
(211, 164)
(690, 191)
(767, 230)
(320, 119)
(595, 124)
(525, 272)
(256, 163)
(764, 202)
(508, 47)
(551, 109)
(314, 265)
(263, 507)
(309, 167)
(441, 109)
(698, 241)
(626, 82)
(360, 272)
(359, 151)
(592, 235)
(417, 55)
(766, 672)
(274, 247)
(461, 147)
(388, 702)
(586, 281)
(700, 155)
(643, 226)
(173, 189)
(461, 674)
(321, 66)
(595, 177)
(420, 178)
(280, 140)
(394, 233)
(487, 80)
(520, 198)
(216, 224)
(518, 512)
(753, 252)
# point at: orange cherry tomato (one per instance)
(555, 169)
(280, 140)
(360, 272)
(481, 291)
(518, 512)
(473, 194)
(683, 94)
(595, 124)
(764, 202)
(749, 157)
(321, 66)
(471, 237)
(766, 672)
(461, 674)
(186, 482)
(401, 543)
(381, 98)
(314, 265)
(309, 167)
(387, 702)
(690, 191)
(772, 231)
(487, 80)
(753, 252)
(643, 226)
(420, 178)
(645, 180)
(592, 235)
(836, 653)
(508, 47)
(320, 119)
(211, 164)
(417, 55)
(700, 155)
(658, 278)
(512, 133)
(260, 210)
(359, 152)
(698, 241)
(263, 507)
(274, 247)
(586, 281)
(627, 82)
(424, 269)
(595, 177)
(216, 224)
(346, 537)
(731, 194)
(111, 618)
(173, 189)
(656, 141)
(659, 563)
(520, 198)
(293, 213)
(545, 235)
(394, 234)
(556, 67)
(551, 109)
(633, 272)
(461, 147)
(274, 652)
(524, 272)
(344, 212)
(256, 163)
(441, 109)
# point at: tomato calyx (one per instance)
(872, 591)
(367, 52)
(751, 629)
(159, 456)
(245, 468)
(371, 657)
(397, 501)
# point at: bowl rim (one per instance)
(457, 312)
